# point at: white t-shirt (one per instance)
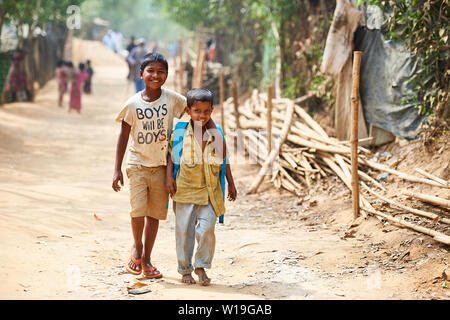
(151, 125)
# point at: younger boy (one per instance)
(195, 179)
(147, 116)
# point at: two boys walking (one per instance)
(189, 163)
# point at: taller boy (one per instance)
(147, 116)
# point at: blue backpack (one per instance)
(177, 150)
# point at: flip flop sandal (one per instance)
(153, 275)
(137, 262)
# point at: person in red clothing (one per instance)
(79, 76)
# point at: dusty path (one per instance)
(65, 234)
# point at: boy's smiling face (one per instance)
(200, 111)
(154, 75)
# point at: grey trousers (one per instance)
(194, 222)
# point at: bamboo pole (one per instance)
(236, 104)
(222, 106)
(354, 132)
(201, 69)
(402, 175)
(432, 177)
(365, 176)
(275, 151)
(197, 64)
(269, 118)
(436, 235)
(430, 199)
(412, 210)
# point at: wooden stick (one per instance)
(304, 98)
(222, 107)
(364, 175)
(290, 159)
(412, 210)
(315, 145)
(402, 175)
(269, 118)
(430, 199)
(201, 68)
(354, 132)
(432, 177)
(436, 235)
(275, 151)
(321, 171)
(310, 121)
(291, 180)
(197, 64)
(236, 104)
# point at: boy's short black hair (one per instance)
(199, 94)
(81, 66)
(154, 57)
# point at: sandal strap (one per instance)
(137, 262)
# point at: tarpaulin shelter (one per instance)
(385, 70)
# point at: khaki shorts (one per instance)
(148, 194)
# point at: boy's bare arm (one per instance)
(171, 184)
(120, 152)
(232, 192)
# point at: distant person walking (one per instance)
(88, 83)
(79, 76)
(130, 48)
(61, 76)
(135, 58)
(18, 78)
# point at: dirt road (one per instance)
(65, 234)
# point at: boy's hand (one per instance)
(116, 178)
(232, 193)
(171, 185)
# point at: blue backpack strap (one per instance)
(177, 148)
(222, 174)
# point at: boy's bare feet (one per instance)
(188, 279)
(203, 279)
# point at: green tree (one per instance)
(140, 18)
(30, 14)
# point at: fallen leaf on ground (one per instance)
(435, 220)
(137, 285)
(138, 288)
(97, 218)
(349, 234)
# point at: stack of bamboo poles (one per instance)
(305, 153)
